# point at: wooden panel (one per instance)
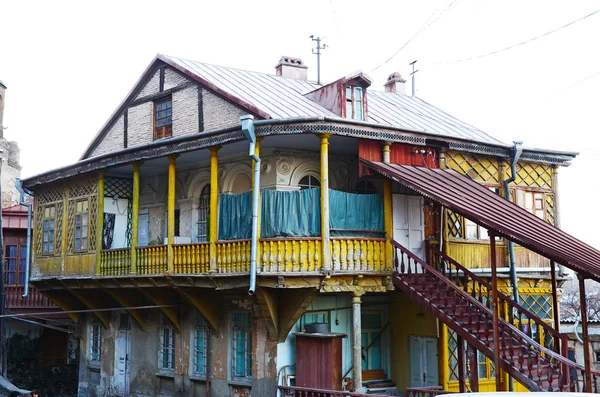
(319, 361)
(368, 150)
(475, 255)
(80, 264)
(527, 258)
(420, 156)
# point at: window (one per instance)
(485, 367)
(204, 214)
(316, 318)
(49, 219)
(355, 103)
(15, 257)
(365, 187)
(308, 182)
(201, 344)
(464, 228)
(371, 336)
(538, 304)
(81, 225)
(166, 352)
(163, 119)
(532, 202)
(597, 356)
(95, 342)
(241, 351)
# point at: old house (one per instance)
(380, 222)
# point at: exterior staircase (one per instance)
(528, 347)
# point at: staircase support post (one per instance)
(356, 343)
(462, 383)
(473, 368)
(555, 312)
(495, 311)
(587, 387)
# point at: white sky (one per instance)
(68, 65)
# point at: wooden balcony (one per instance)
(34, 300)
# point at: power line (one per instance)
(580, 81)
(423, 27)
(521, 43)
(111, 309)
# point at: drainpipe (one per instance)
(514, 158)
(28, 254)
(248, 131)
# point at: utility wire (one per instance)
(521, 43)
(423, 27)
(580, 81)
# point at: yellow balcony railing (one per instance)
(290, 255)
(233, 256)
(152, 259)
(358, 254)
(191, 258)
(115, 262)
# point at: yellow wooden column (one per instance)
(135, 211)
(65, 227)
(443, 356)
(99, 222)
(387, 212)
(214, 202)
(171, 213)
(325, 251)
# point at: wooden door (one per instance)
(122, 355)
(408, 221)
(423, 361)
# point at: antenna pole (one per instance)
(413, 76)
(318, 53)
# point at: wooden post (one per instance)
(171, 214)
(460, 345)
(214, 202)
(586, 338)
(387, 212)
(99, 223)
(474, 368)
(135, 211)
(443, 359)
(356, 343)
(325, 251)
(555, 308)
(495, 311)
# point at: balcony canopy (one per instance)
(482, 206)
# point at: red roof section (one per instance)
(14, 217)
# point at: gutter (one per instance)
(248, 131)
(22, 201)
(514, 158)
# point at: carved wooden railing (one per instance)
(358, 253)
(429, 391)
(233, 256)
(535, 366)
(191, 258)
(15, 300)
(115, 262)
(293, 391)
(300, 254)
(152, 259)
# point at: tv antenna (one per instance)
(318, 53)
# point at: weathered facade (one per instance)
(150, 232)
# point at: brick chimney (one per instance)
(395, 83)
(291, 67)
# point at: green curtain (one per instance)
(291, 214)
(235, 216)
(350, 211)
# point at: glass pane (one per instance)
(11, 264)
(348, 92)
(349, 109)
(358, 94)
(375, 352)
(364, 341)
(528, 201)
(11, 251)
(471, 230)
(358, 110)
(52, 211)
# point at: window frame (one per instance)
(203, 232)
(95, 349)
(20, 261)
(163, 130)
(82, 214)
(309, 185)
(49, 237)
(365, 186)
(351, 103)
(166, 330)
(520, 199)
(247, 332)
(200, 325)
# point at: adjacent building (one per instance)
(378, 215)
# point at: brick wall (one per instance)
(185, 111)
(113, 141)
(219, 113)
(151, 87)
(139, 130)
(173, 79)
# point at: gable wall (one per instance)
(216, 113)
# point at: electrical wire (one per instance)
(423, 27)
(86, 311)
(521, 43)
(579, 82)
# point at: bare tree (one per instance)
(570, 303)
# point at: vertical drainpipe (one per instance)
(28, 251)
(248, 131)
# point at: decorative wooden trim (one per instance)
(125, 126)
(161, 82)
(200, 110)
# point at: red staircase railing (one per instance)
(533, 365)
(430, 391)
(293, 391)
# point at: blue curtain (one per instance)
(235, 216)
(349, 211)
(291, 214)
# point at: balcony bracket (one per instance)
(129, 298)
(292, 304)
(269, 304)
(208, 306)
(92, 301)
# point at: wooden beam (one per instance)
(207, 305)
(292, 304)
(495, 311)
(587, 386)
(462, 383)
(555, 312)
(66, 303)
(129, 298)
(165, 297)
(92, 301)
(267, 300)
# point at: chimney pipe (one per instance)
(395, 83)
(291, 67)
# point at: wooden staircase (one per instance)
(463, 301)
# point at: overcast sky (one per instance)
(68, 65)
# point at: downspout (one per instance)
(248, 131)
(22, 201)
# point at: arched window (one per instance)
(365, 187)
(308, 182)
(203, 214)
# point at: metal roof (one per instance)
(479, 204)
(283, 97)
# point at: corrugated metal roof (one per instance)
(479, 204)
(283, 97)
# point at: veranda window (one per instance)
(48, 238)
(81, 225)
(241, 352)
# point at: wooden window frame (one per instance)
(49, 219)
(308, 185)
(352, 101)
(200, 331)
(80, 215)
(166, 130)
(19, 259)
(533, 193)
(95, 350)
(247, 332)
(166, 347)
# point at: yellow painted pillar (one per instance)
(135, 211)
(214, 202)
(443, 358)
(171, 213)
(99, 222)
(65, 228)
(325, 251)
(387, 212)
